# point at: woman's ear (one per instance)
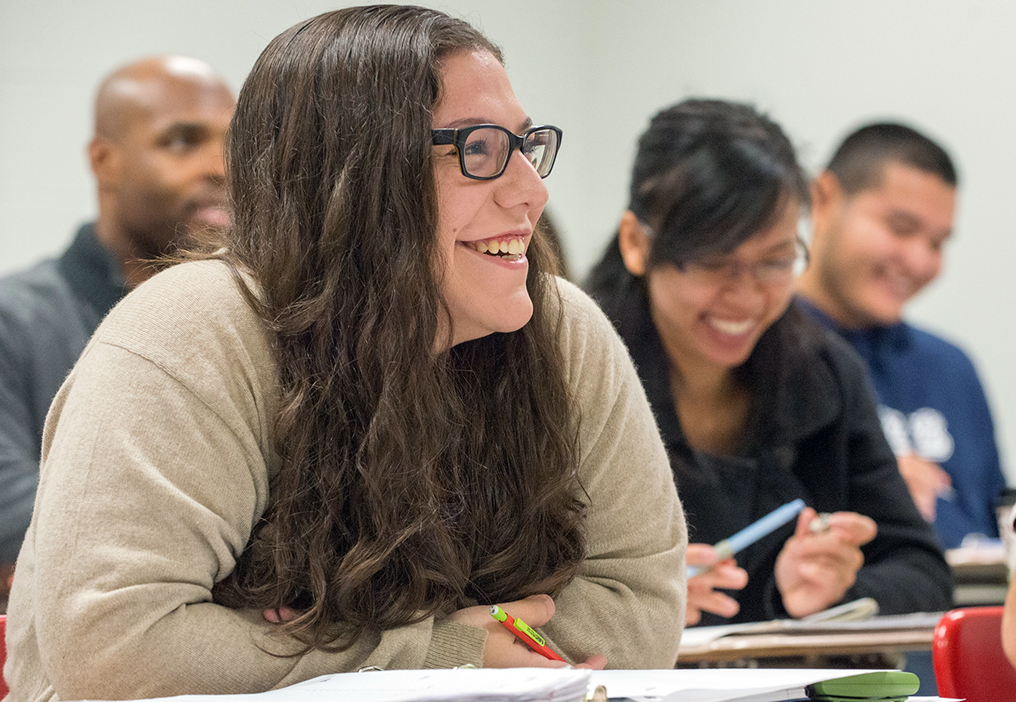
(634, 244)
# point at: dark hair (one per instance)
(410, 484)
(859, 160)
(708, 176)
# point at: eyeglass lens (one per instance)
(777, 271)
(540, 147)
(487, 150)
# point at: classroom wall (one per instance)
(598, 69)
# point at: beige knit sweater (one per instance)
(156, 465)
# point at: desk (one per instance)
(981, 575)
(807, 646)
(879, 642)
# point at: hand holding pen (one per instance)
(505, 649)
(819, 563)
(712, 567)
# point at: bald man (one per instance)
(157, 159)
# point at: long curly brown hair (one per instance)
(413, 482)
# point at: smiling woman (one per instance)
(757, 405)
(362, 419)
(485, 291)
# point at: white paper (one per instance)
(461, 685)
(547, 684)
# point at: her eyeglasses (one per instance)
(484, 149)
(775, 271)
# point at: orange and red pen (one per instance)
(525, 633)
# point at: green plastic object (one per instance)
(887, 685)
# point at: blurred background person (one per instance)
(882, 214)
(757, 405)
(157, 159)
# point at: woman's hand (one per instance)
(815, 569)
(503, 649)
(280, 616)
(713, 575)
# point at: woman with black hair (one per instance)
(366, 418)
(757, 406)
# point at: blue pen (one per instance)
(753, 532)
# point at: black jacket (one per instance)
(47, 315)
(824, 443)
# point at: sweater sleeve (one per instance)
(904, 569)
(629, 597)
(154, 475)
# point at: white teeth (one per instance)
(503, 247)
(514, 246)
(732, 328)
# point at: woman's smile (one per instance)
(509, 249)
(730, 327)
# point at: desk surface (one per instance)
(785, 639)
(981, 576)
(736, 647)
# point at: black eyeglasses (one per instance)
(484, 149)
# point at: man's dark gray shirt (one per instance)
(47, 315)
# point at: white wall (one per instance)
(599, 70)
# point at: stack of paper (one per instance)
(458, 685)
(571, 685)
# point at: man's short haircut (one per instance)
(858, 163)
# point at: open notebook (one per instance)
(572, 685)
(856, 616)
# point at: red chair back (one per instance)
(968, 657)
(3, 653)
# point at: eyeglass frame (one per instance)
(457, 138)
(800, 245)
(733, 268)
